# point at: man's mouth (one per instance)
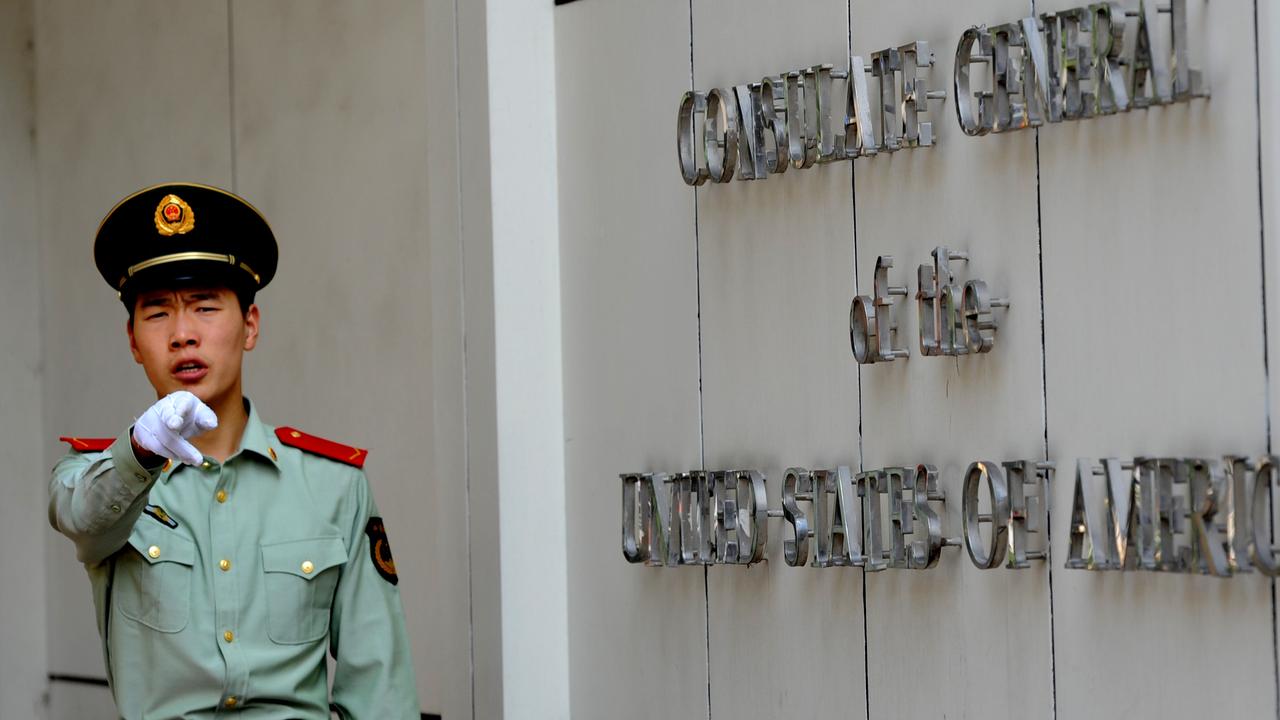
(190, 370)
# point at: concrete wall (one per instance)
(22, 566)
(708, 328)
(326, 117)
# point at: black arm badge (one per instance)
(380, 550)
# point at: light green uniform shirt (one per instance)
(220, 587)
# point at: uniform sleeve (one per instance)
(94, 499)
(373, 677)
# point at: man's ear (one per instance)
(252, 318)
(133, 342)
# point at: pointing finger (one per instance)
(180, 449)
(205, 418)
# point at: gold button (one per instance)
(225, 565)
(307, 567)
(205, 465)
(228, 636)
(221, 496)
(296, 434)
(167, 464)
(230, 702)
(154, 551)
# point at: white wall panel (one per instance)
(331, 143)
(1153, 342)
(776, 273)
(638, 639)
(129, 94)
(953, 640)
(23, 666)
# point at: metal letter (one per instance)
(1147, 64)
(720, 136)
(848, 517)
(972, 109)
(1122, 504)
(1110, 94)
(885, 66)
(926, 551)
(751, 159)
(689, 152)
(1026, 512)
(1265, 476)
(1041, 91)
(753, 516)
(726, 516)
(993, 555)
(796, 486)
(1239, 536)
(773, 121)
(817, 90)
(1006, 114)
(979, 321)
(802, 146)
(871, 485)
(871, 323)
(645, 518)
(634, 549)
(1207, 485)
(1187, 81)
(1087, 548)
(900, 516)
(916, 94)
(859, 134)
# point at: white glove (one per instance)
(164, 428)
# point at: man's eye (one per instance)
(156, 316)
(206, 308)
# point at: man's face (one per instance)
(193, 339)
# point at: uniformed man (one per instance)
(226, 556)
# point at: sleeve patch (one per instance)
(380, 550)
(87, 444)
(347, 454)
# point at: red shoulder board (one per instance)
(324, 448)
(88, 444)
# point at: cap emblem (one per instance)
(174, 216)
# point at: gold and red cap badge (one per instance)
(174, 216)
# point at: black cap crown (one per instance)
(181, 234)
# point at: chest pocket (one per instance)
(300, 579)
(153, 577)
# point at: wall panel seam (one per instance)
(702, 435)
(1044, 419)
(1266, 358)
(853, 213)
(462, 319)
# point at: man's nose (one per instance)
(183, 334)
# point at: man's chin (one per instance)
(199, 389)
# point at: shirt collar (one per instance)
(256, 440)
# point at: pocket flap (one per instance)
(157, 544)
(304, 558)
